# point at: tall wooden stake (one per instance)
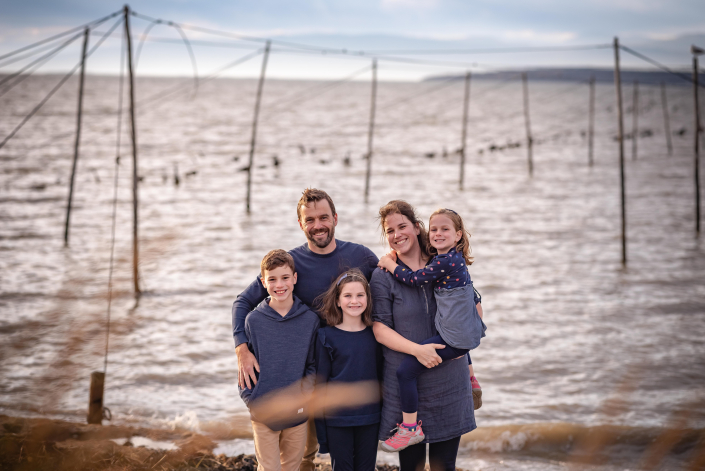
(253, 141)
(79, 115)
(463, 139)
(620, 135)
(529, 140)
(635, 118)
(133, 135)
(591, 120)
(95, 398)
(666, 121)
(371, 131)
(697, 145)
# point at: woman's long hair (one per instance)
(405, 209)
(463, 245)
(327, 303)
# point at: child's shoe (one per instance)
(476, 392)
(402, 438)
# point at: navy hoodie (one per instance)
(284, 348)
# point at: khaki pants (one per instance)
(279, 451)
(311, 447)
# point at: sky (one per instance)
(661, 29)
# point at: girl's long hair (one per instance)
(405, 209)
(327, 303)
(463, 245)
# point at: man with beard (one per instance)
(318, 263)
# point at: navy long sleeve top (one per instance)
(347, 357)
(315, 274)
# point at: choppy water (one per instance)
(575, 340)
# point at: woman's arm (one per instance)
(425, 354)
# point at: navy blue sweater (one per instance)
(347, 357)
(284, 348)
(315, 274)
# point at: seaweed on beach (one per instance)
(56, 445)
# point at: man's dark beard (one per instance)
(325, 243)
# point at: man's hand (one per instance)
(246, 366)
(427, 356)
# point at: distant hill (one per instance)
(582, 75)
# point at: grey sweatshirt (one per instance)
(284, 348)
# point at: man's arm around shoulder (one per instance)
(243, 305)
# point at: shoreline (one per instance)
(54, 444)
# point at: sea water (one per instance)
(576, 342)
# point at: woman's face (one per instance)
(401, 233)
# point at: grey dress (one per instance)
(445, 398)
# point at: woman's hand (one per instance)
(427, 356)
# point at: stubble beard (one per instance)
(325, 243)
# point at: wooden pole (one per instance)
(635, 118)
(463, 139)
(591, 121)
(371, 131)
(697, 145)
(135, 180)
(666, 121)
(77, 144)
(260, 85)
(95, 399)
(529, 140)
(620, 135)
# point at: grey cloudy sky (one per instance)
(663, 29)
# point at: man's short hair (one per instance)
(313, 195)
(275, 259)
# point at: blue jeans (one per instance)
(410, 369)
(441, 456)
(353, 448)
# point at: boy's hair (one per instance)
(405, 209)
(327, 303)
(277, 258)
(313, 195)
(463, 245)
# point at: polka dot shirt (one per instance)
(444, 271)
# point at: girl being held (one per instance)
(347, 352)
(457, 321)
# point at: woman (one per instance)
(404, 316)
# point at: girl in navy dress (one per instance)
(457, 321)
(347, 352)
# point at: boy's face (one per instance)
(279, 282)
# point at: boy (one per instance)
(281, 334)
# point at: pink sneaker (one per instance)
(402, 438)
(476, 392)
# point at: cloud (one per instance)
(531, 35)
(634, 5)
(413, 4)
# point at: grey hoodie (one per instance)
(284, 348)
